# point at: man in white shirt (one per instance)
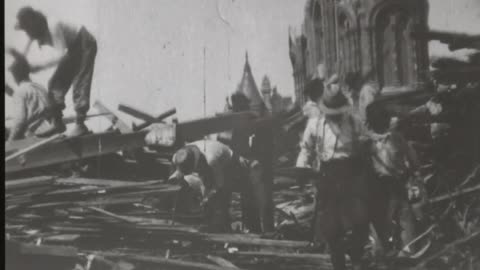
(332, 146)
(75, 52)
(31, 103)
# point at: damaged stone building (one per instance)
(370, 39)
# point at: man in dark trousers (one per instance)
(75, 51)
(332, 146)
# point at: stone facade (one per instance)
(368, 38)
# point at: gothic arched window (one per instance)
(318, 30)
(394, 47)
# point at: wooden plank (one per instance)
(30, 249)
(221, 261)
(76, 148)
(197, 129)
(95, 182)
(33, 147)
(249, 240)
(136, 113)
(286, 256)
(11, 185)
(71, 149)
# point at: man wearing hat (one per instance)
(31, 103)
(75, 50)
(331, 145)
(221, 171)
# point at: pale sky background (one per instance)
(150, 52)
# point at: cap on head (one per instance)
(25, 17)
(33, 22)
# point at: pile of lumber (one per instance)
(115, 224)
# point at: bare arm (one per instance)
(307, 145)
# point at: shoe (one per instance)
(78, 130)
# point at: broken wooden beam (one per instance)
(454, 194)
(33, 147)
(475, 236)
(157, 119)
(282, 255)
(136, 113)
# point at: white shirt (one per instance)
(320, 143)
(218, 157)
(31, 105)
(392, 155)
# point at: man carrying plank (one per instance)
(76, 50)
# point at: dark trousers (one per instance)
(391, 213)
(75, 70)
(341, 210)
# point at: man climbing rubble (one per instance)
(221, 171)
(75, 52)
(31, 103)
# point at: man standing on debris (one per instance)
(31, 103)
(333, 141)
(75, 55)
(221, 171)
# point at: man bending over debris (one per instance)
(31, 101)
(76, 50)
(221, 171)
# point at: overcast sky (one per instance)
(150, 52)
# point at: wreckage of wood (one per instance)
(454, 194)
(466, 240)
(252, 240)
(92, 145)
(33, 147)
(31, 182)
(166, 263)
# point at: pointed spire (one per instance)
(248, 87)
(247, 65)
